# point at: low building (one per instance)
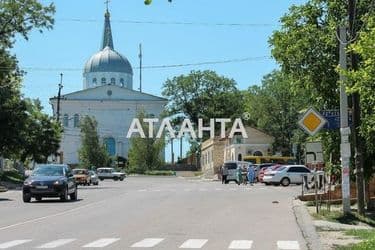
(217, 150)
(258, 143)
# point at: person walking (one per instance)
(250, 174)
(224, 174)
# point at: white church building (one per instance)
(108, 96)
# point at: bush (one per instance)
(12, 176)
(160, 172)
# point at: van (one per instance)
(234, 168)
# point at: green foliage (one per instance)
(11, 176)
(274, 108)
(92, 152)
(203, 94)
(18, 18)
(367, 235)
(160, 172)
(145, 153)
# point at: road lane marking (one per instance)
(218, 189)
(102, 242)
(194, 243)
(287, 245)
(241, 244)
(13, 243)
(56, 243)
(148, 242)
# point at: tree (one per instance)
(145, 153)
(92, 152)
(203, 94)
(16, 18)
(274, 108)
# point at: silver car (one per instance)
(289, 174)
(94, 178)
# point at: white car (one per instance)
(288, 174)
(110, 173)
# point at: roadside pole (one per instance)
(344, 128)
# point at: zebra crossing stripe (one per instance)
(102, 242)
(148, 242)
(56, 243)
(287, 245)
(13, 243)
(194, 243)
(241, 244)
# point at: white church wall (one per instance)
(88, 79)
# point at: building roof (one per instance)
(107, 59)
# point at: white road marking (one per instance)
(233, 189)
(142, 190)
(203, 189)
(241, 244)
(13, 243)
(218, 189)
(287, 245)
(194, 243)
(102, 242)
(148, 242)
(56, 243)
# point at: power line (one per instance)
(169, 23)
(236, 60)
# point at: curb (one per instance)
(306, 225)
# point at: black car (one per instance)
(50, 180)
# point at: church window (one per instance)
(104, 81)
(66, 120)
(110, 145)
(113, 80)
(122, 82)
(94, 81)
(76, 120)
(239, 157)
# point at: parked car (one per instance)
(234, 168)
(288, 174)
(50, 180)
(110, 173)
(3, 189)
(260, 168)
(82, 176)
(94, 177)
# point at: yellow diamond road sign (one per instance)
(312, 121)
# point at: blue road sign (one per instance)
(333, 118)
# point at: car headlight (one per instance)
(58, 182)
(27, 183)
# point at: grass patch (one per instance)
(368, 237)
(160, 172)
(12, 176)
(338, 216)
(198, 173)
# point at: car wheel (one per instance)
(26, 197)
(267, 183)
(101, 179)
(226, 182)
(74, 195)
(122, 178)
(38, 198)
(115, 178)
(88, 183)
(285, 182)
(64, 196)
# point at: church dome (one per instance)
(108, 60)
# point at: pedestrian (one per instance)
(251, 174)
(239, 175)
(224, 174)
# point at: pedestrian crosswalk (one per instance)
(144, 243)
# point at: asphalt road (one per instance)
(155, 213)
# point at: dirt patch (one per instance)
(331, 239)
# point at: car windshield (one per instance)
(79, 171)
(230, 165)
(48, 171)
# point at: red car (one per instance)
(268, 169)
(262, 168)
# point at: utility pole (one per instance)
(344, 128)
(59, 97)
(356, 115)
(140, 67)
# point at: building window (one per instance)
(66, 120)
(76, 120)
(113, 81)
(258, 153)
(110, 145)
(94, 81)
(104, 81)
(122, 82)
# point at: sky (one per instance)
(181, 32)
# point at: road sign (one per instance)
(333, 118)
(312, 121)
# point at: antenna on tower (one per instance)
(106, 4)
(59, 97)
(140, 67)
